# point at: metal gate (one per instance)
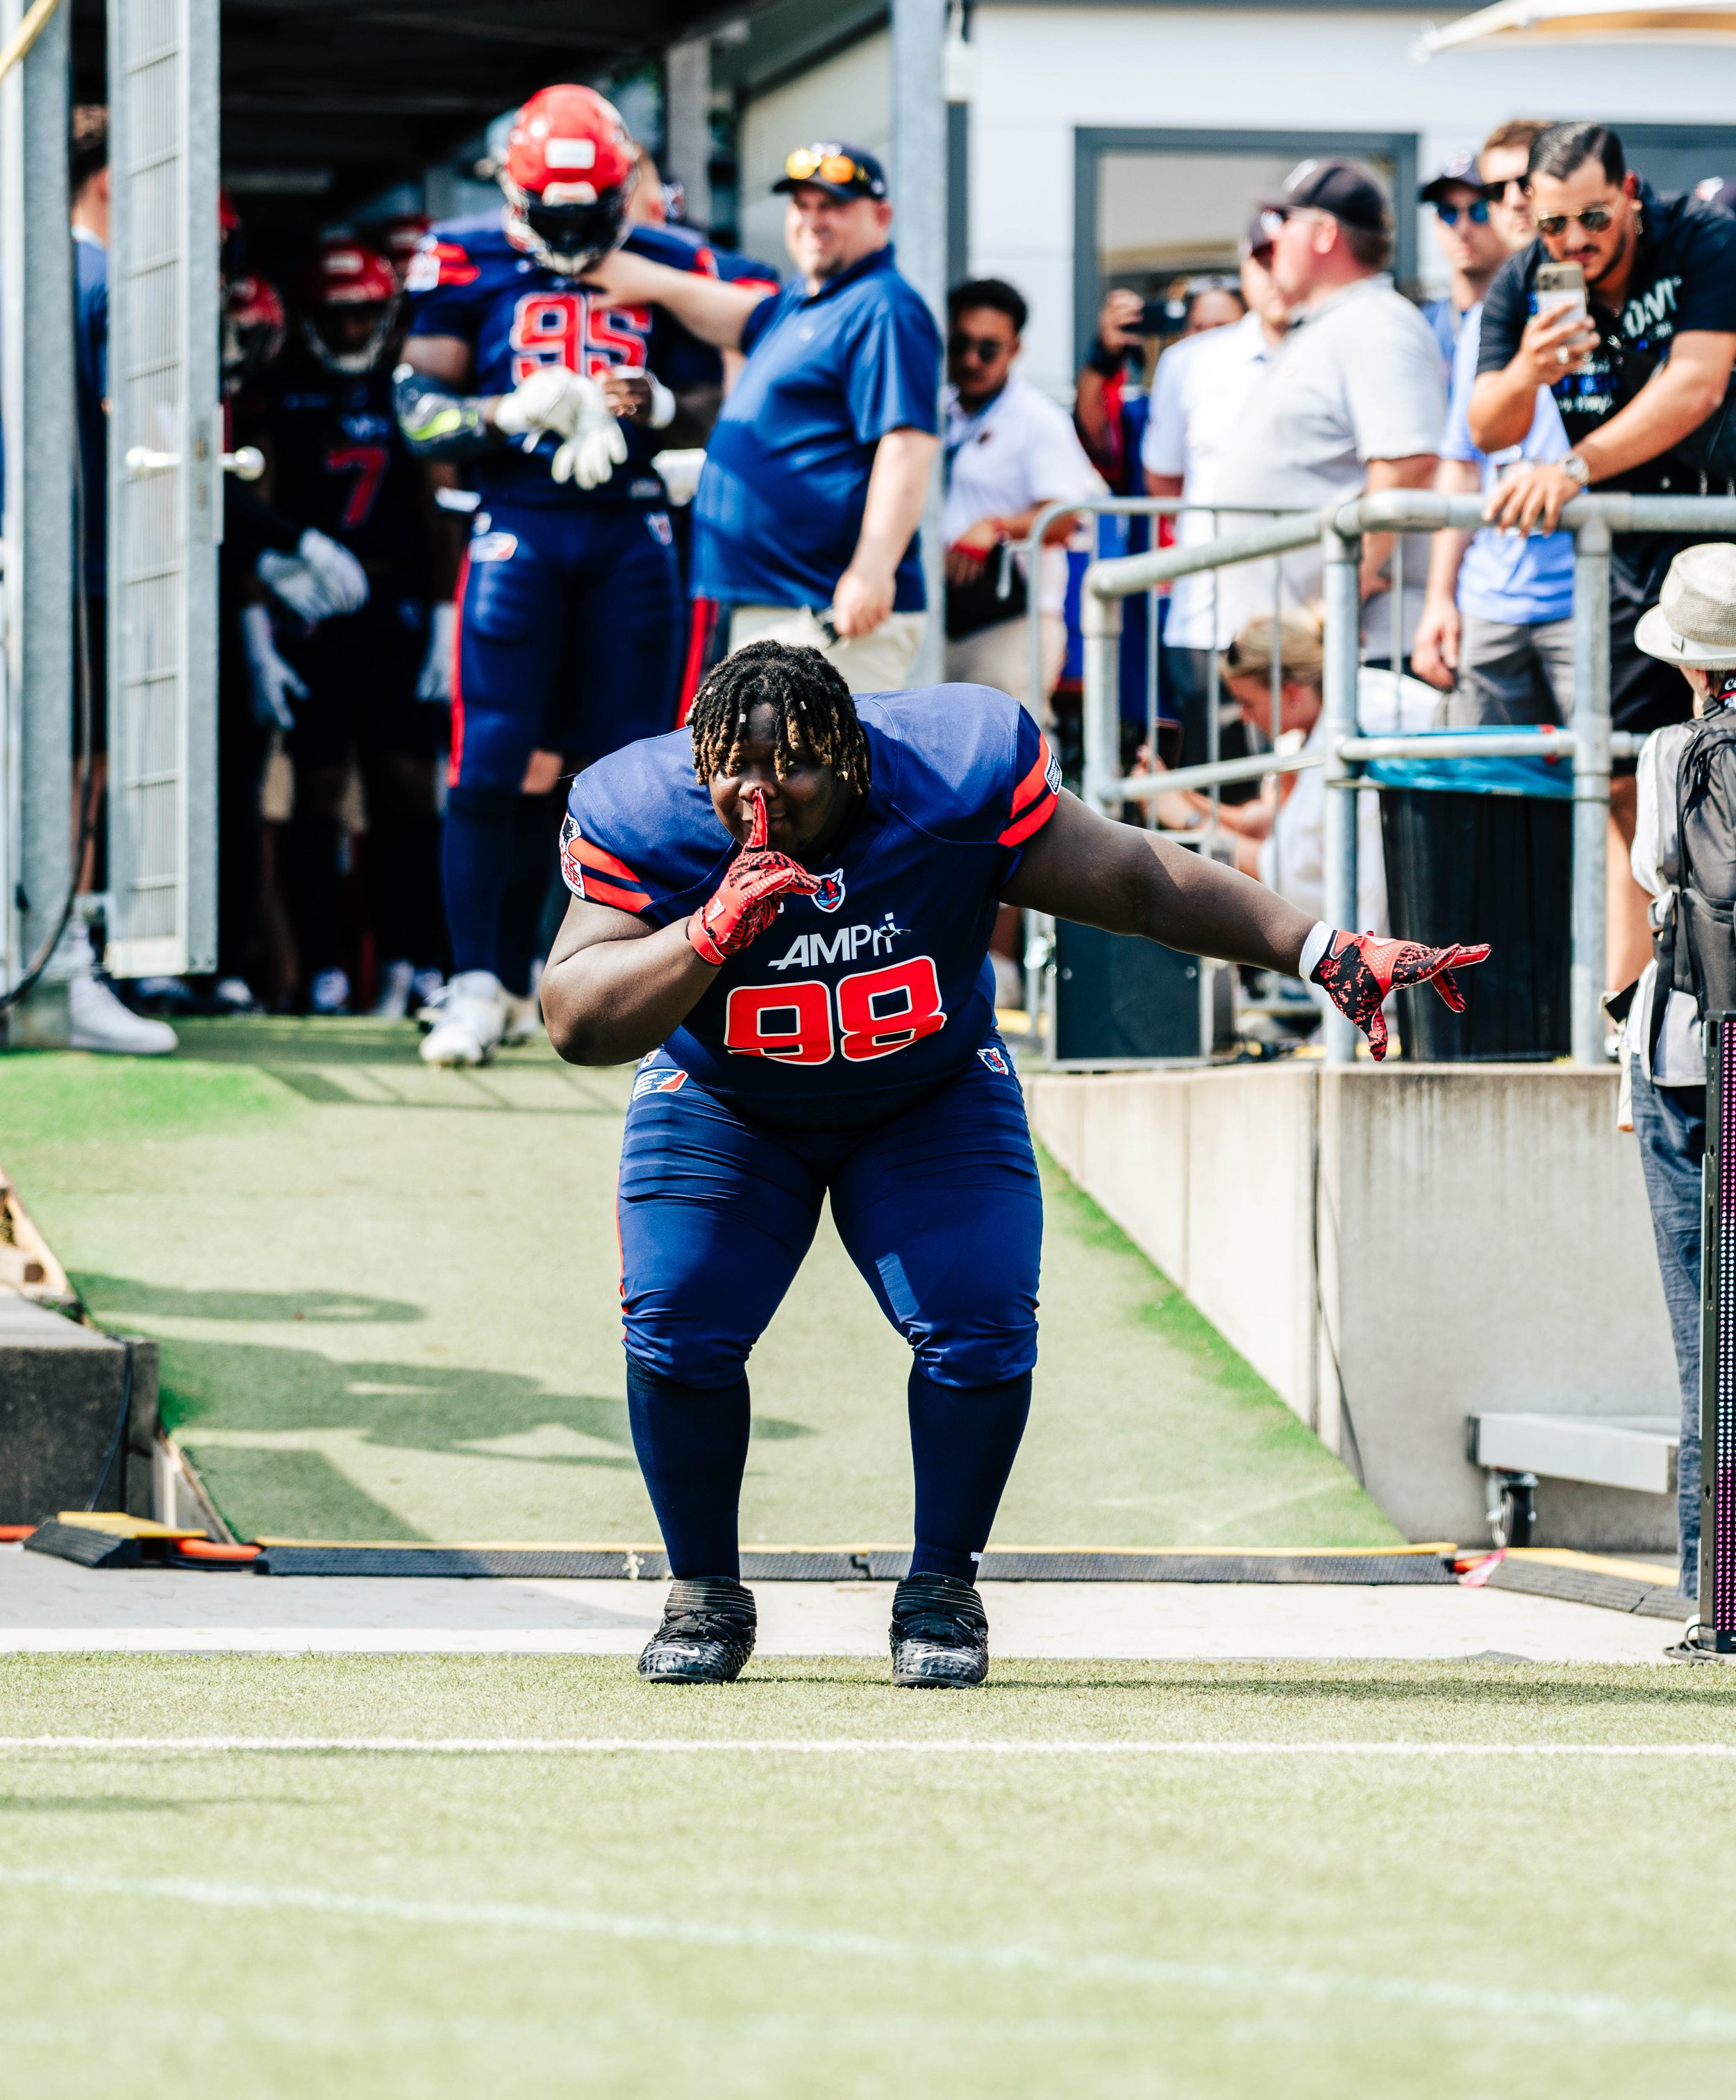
(165, 486)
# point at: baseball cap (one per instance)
(1342, 188)
(1460, 172)
(841, 171)
(1261, 228)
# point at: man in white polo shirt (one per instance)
(1010, 450)
(1354, 399)
(1198, 399)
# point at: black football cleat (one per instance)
(706, 1634)
(939, 1632)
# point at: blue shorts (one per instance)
(939, 1209)
(570, 627)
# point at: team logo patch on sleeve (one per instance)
(595, 876)
(829, 894)
(995, 1060)
(659, 1080)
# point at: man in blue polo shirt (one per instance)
(805, 522)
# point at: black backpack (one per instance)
(1696, 944)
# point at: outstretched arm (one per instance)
(1082, 866)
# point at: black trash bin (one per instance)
(1481, 849)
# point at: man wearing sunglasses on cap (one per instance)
(806, 521)
(1470, 246)
(1640, 385)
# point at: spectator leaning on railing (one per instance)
(1641, 386)
(1497, 619)
(806, 521)
(1010, 450)
(1353, 400)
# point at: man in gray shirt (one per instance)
(1353, 399)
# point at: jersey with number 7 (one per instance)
(862, 997)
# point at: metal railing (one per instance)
(1594, 522)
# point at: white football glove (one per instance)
(272, 680)
(435, 683)
(344, 578)
(320, 580)
(591, 455)
(553, 398)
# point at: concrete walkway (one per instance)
(51, 1606)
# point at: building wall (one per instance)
(846, 96)
(1038, 73)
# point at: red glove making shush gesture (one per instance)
(1357, 971)
(746, 902)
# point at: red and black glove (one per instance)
(746, 902)
(1357, 971)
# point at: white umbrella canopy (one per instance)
(1614, 21)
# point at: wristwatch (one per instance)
(1576, 469)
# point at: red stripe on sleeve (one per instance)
(596, 891)
(1034, 820)
(605, 864)
(1033, 783)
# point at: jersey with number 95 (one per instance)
(866, 995)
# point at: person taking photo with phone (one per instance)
(1639, 363)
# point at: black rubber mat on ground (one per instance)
(1589, 1586)
(842, 1564)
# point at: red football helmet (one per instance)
(568, 170)
(398, 238)
(349, 300)
(252, 332)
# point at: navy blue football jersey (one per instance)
(341, 464)
(864, 996)
(467, 279)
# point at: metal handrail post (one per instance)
(1342, 555)
(1591, 785)
(1100, 626)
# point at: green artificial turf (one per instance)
(387, 1301)
(717, 1922)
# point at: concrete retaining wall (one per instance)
(1394, 1249)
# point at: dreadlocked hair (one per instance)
(813, 713)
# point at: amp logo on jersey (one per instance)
(659, 1080)
(829, 894)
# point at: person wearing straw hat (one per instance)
(1693, 626)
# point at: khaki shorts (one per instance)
(877, 662)
(1001, 655)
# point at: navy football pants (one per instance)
(940, 1211)
(570, 627)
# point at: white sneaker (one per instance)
(523, 1019)
(473, 1017)
(235, 995)
(427, 988)
(99, 1021)
(329, 993)
(397, 981)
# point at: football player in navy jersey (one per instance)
(338, 463)
(784, 913)
(571, 609)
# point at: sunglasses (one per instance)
(1594, 221)
(1498, 192)
(983, 349)
(808, 162)
(1450, 214)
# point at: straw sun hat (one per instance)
(1694, 619)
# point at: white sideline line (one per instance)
(833, 1746)
(1587, 2009)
